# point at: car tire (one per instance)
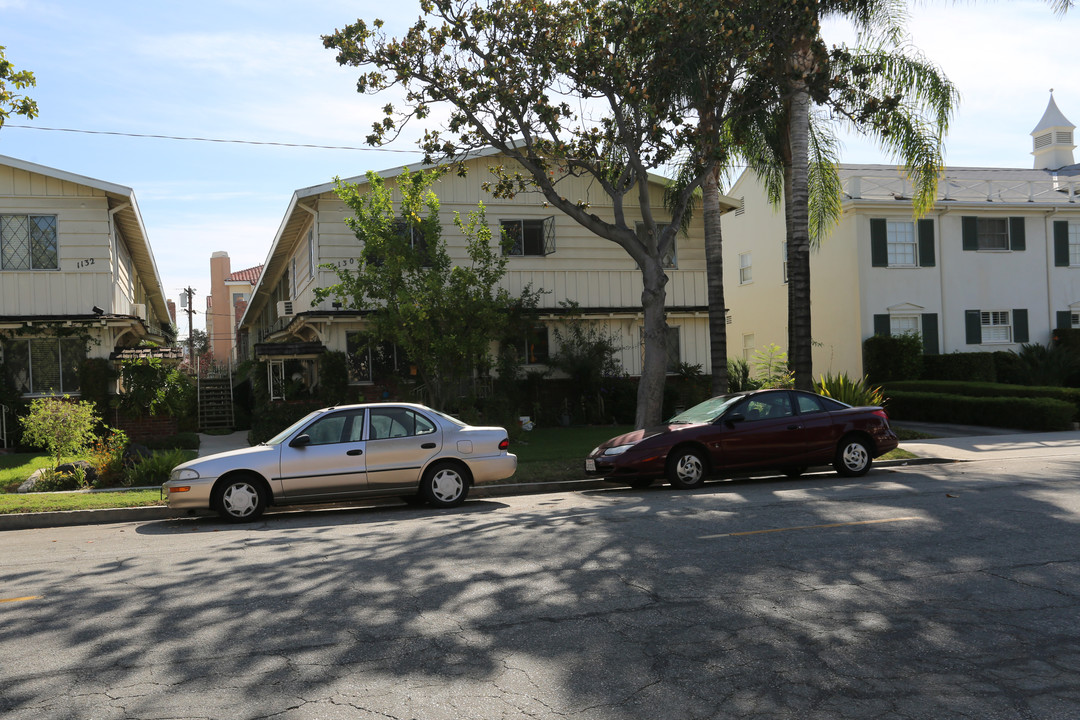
(444, 485)
(239, 499)
(853, 457)
(686, 468)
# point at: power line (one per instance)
(211, 140)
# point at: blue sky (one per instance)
(256, 70)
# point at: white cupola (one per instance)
(1053, 139)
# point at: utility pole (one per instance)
(190, 310)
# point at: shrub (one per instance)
(151, 388)
(1007, 368)
(770, 365)
(61, 425)
(738, 376)
(1045, 365)
(334, 378)
(897, 357)
(979, 389)
(1006, 412)
(974, 366)
(853, 392)
(50, 480)
(107, 457)
(155, 469)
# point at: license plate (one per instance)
(590, 465)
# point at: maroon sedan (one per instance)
(785, 430)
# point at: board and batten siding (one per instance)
(84, 251)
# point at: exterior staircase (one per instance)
(215, 403)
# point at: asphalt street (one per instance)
(924, 591)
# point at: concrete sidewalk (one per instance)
(966, 444)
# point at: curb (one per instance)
(68, 518)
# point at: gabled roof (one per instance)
(129, 219)
(297, 215)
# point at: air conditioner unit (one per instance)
(139, 310)
(285, 308)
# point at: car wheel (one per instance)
(240, 499)
(641, 483)
(852, 457)
(686, 468)
(444, 485)
(794, 472)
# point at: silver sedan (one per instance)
(344, 453)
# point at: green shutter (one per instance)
(1064, 320)
(879, 243)
(881, 325)
(926, 243)
(973, 326)
(929, 334)
(969, 224)
(1017, 239)
(1061, 243)
(1020, 326)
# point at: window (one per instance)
(536, 345)
(358, 357)
(1074, 244)
(745, 268)
(901, 243)
(311, 252)
(670, 259)
(768, 406)
(44, 366)
(415, 235)
(292, 273)
(530, 237)
(993, 233)
(748, 347)
(996, 327)
(367, 359)
(783, 254)
(903, 325)
(808, 404)
(397, 423)
(28, 242)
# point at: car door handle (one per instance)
(428, 446)
(355, 452)
(794, 427)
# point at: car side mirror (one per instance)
(734, 418)
(300, 440)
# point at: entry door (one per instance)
(332, 465)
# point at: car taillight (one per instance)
(504, 444)
(882, 414)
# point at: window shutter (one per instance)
(926, 243)
(929, 334)
(879, 244)
(973, 327)
(1017, 240)
(1061, 243)
(1020, 326)
(969, 224)
(881, 325)
(549, 235)
(1064, 320)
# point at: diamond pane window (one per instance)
(28, 242)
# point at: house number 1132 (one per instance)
(85, 263)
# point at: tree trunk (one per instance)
(714, 272)
(797, 195)
(650, 397)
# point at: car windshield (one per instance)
(280, 437)
(707, 411)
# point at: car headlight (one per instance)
(184, 474)
(618, 449)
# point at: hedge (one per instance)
(974, 366)
(1005, 412)
(983, 389)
